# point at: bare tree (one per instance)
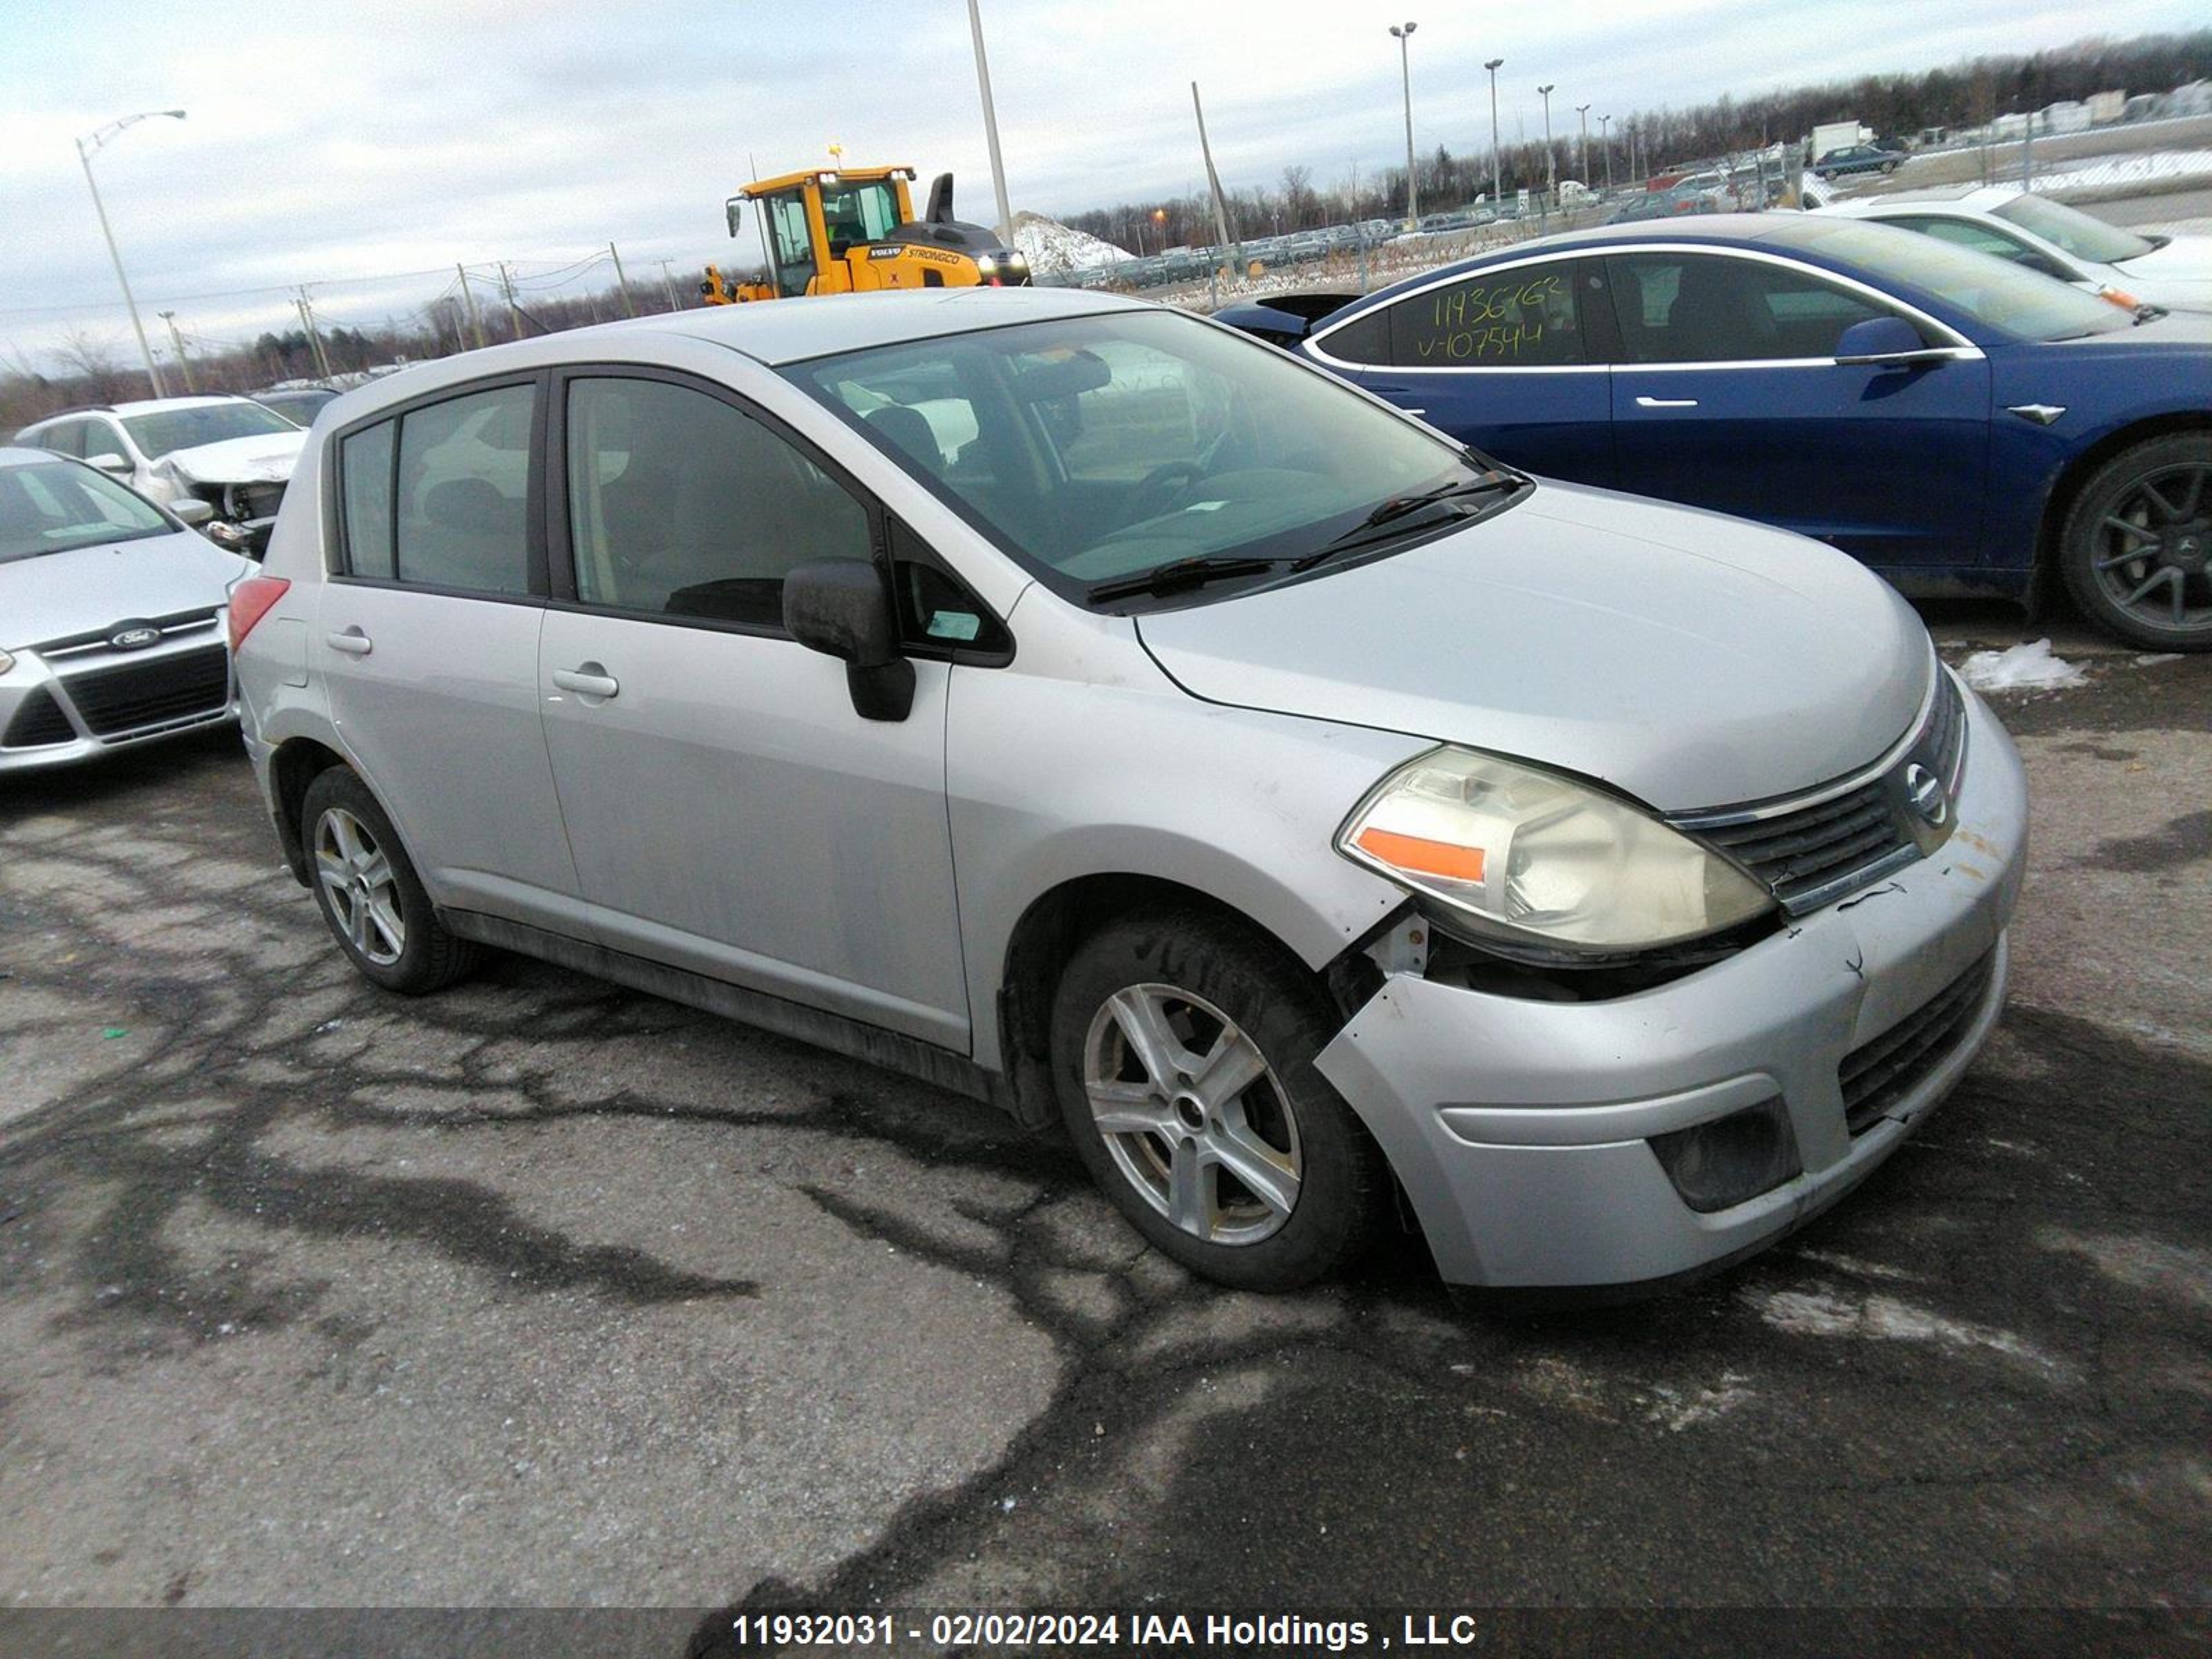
(93, 359)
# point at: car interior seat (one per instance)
(469, 535)
(909, 430)
(1719, 315)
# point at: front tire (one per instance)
(368, 892)
(1182, 1051)
(2136, 548)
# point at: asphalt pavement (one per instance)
(544, 1292)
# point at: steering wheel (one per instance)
(1155, 492)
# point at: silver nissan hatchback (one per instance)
(1085, 709)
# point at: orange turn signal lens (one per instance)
(2120, 297)
(1422, 856)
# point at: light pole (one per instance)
(1496, 189)
(1605, 144)
(1160, 225)
(1551, 166)
(991, 124)
(1404, 32)
(1583, 111)
(85, 148)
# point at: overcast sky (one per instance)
(352, 145)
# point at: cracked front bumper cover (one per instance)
(1519, 1130)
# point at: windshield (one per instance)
(2007, 297)
(2075, 231)
(168, 429)
(51, 507)
(1097, 448)
(298, 407)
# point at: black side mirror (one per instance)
(839, 607)
(1886, 342)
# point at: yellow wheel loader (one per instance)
(852, 229)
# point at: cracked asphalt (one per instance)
(540, 1292)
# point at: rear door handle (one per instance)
(353, 642)
(1666, 402)
(590, 680)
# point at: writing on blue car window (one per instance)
(1518, 317)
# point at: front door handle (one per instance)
(1666, 402)
(352, 642)
(589, 680)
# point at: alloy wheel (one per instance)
(1192, 1114)
(357, 878)
(2152, 553)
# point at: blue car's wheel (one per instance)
(2136, 551)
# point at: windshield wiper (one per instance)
(1399, 506)
(1179, 573)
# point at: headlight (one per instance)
(7, 662)
(1518, 854)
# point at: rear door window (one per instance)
(1524, 317)
(463, 493)
(1527, 317)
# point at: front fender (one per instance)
(1053, 780)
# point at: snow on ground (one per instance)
(2107, 172)
(2025, 668)
(1051, 246)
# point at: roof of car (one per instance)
(1798, 232)
(149, 405)
(142, 406)
(25, 454)
(1974, 198)
(782, 331)
(770, 332)
(1735, 227)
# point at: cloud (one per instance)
(331, 143)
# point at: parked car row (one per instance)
(112, 614)
(2167, 272)
(1156, 733)
(234, 454)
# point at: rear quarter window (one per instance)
(365, 500)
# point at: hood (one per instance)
(56, 595)
(2186, 259)
(264, 458)
(1689, 659)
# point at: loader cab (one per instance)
(813, 219)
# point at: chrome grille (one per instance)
(1798, 854)
(1809, 855)
(177, 622)
(1879, 1073)
(156, 691)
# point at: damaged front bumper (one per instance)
(1522, 1130)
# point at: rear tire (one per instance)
(368, 892)
(1183, 1050)
(2136, 550)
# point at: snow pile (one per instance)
(1051, 248)
(2029, 667)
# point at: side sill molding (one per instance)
(893, 1050)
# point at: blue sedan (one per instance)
(1962, 425)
